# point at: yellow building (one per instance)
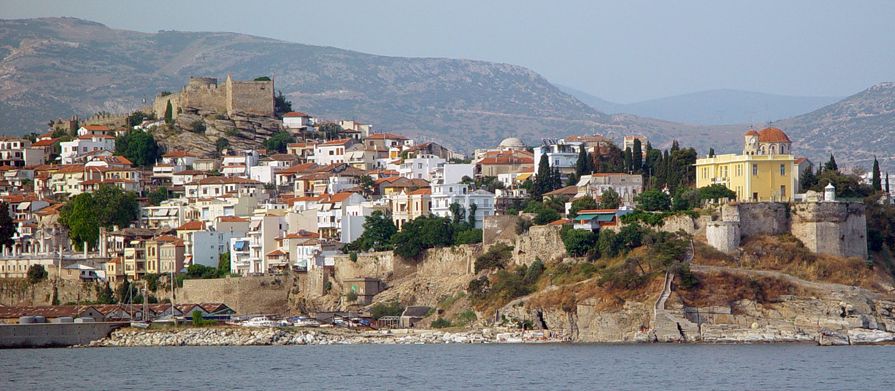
(766, 171)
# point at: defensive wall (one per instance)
(205, 95)
(833, 228)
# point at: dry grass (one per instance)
(722, 289)
(787, 254)
(567, 297)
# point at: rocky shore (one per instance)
(242, 336)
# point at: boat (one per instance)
(259, 321)
(304, 321)
(140, 325)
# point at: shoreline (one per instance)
(243, 336)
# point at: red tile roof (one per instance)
(232, 219)
(386, 136)
(192, 225)
(773, 135)
(97, 128)
(295, 114)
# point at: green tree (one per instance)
(578, 242)
(367, 185)
(221, 144)
(262, 78)
(36, 273)
(653, 200)
(876, 180)
(496, 257)
(391, 308)
(831, 165)
(224, 264)
(422, 233)
(458, 213)
(629, 160)
(807, 179)
(471, 215)
(7, 225)
(158, 195)
(610, 199)
(580, 204)
(169, 113)
(637, 156)
(543, 179)
(330, 130)
(139, 147)
(716, 191)
(279, 141)
(85, 213)
(584, 165)
(378, 232)
(137, 118)
(106, 296)
(281, 104)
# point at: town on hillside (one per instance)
(111, 201)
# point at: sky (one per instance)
(622, 51)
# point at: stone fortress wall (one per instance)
(205, 94)
(833, 228)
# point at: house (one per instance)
(505, 162)
(627, 186)
(17, 152)
(628, 142)
(297, 120)
(303, 150)
(11, 314)
(364, 288)
(85, 144)
(97, 130)
(81, 272)
(561, 154)
(216, 186)
(421, 167)
(332, 151)
(413, 315)
(334, 221)
(248, 253)
(443, 195)
(180, 160)
(765, 171)
(408, 205)
(595, 219)
(356, 130)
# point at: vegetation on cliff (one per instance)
(107, 207)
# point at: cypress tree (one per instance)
(637, 156)
(831, 164)
(711, 152)
(169, 113)
(887, 183)
(629, 160)
(542, 178)
(876, 180)
(7, 225)
(582, 166)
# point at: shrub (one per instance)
(585, 203)
(351, 296)
(469, 236)
(36, 273)
(392, 308)
(534, 272)
(441, 323)
(522, 225)
(478, 289)
(495, 258)
(197, 126)
(467, 317)
(653, 200)
(578, 242)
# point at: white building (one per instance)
(561, 154)
(248, 253)
(332, 151)
(84, 145)
(297, 120)
(443, 195)
(422, 167)
(627, 186)
(333, 219)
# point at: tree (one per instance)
(367, 185)
(158, 195)
(471, 215)
(580, 204)
(85, 213)
(807, 179)
(137, 118)
(123, 292)
(378, 232)
(36, 273)
(715, 192)
(224, 263)
(7, 225)
(887, 183)
(831, 164)
(578, 242)
(139, 147)
(169, 113)
(330, 130)
(629, 160)
(876, 181)
(542, 178)
(711, 152)
(422, 233)
(281, 104)
(262, 78)
(584, 165)
(279, 141)
(653, 200)
(458, 213)
(610, 199)
(637, 156)
(105, 295)
(391, 308)
(221, 144)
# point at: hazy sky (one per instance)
(623, 50)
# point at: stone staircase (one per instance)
(669, 325)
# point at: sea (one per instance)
(453, 367)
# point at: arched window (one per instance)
(773, 149)
(762, 150)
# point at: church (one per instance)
(765, 171)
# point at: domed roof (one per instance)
(512, 142)
(751, 132)
(773, 135)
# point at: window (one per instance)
(782, 169)
(782, 190)
(754, 169)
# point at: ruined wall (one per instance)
(758, 218)
(161, 104)
(380, 264)
(204, 93)
(246, 295)
(17, 291)
(250, 97)
(834, 228)
(540, 242)
(499, 229)
(723, 235)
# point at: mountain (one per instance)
(711, 107)
(57, 67)
(854, 129)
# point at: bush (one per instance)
(478, 289)
(495, 258)
(392, 308)
(197, 126)
(467, 317)
(580, 204)
(653, 200)
(578, 242)
(469, 236)
(522, 225)
(36, 273)
(441, 323)
(351, 296)
(535, 270)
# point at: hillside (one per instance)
(57, 67)
(860, 127)
(712, 107)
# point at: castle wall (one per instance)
(250, 97)
(758, 218)
(246, 295)
(723, 235)
(161, 103)
(204, 93)
(834, 228)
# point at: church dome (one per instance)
(511, 142)
(773, 135)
